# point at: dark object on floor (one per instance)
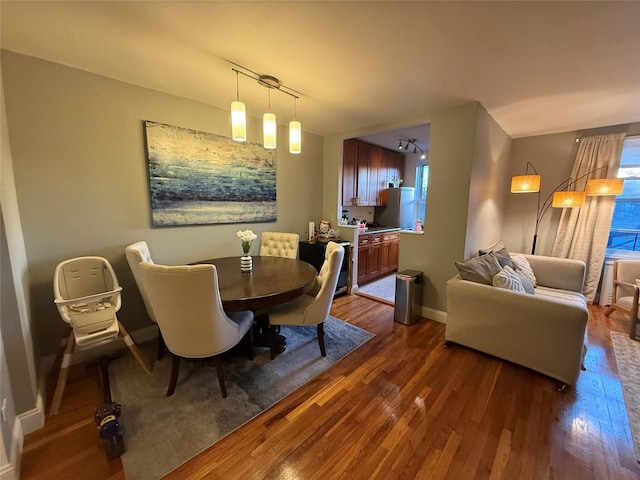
(106, 417)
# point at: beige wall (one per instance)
(81, 179)
(490, 183)
(468, 157)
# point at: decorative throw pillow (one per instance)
(507, 278)
(521, 265)
(479, 269)
(502, 254)
(526, 283)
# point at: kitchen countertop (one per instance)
(380, 230)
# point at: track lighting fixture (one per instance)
(416, 147)
(269, 124)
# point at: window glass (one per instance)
(625, 224)
(422, 180)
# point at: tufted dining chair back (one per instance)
(279, 244)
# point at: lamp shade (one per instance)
(605, 186)
(269, 130)
(525, 184)
(295, 137)
(238, 122)
(568, 199)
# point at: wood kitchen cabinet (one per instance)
(369, 256)
(390, 250)
(349, 173)
(366, 172)
(377, 255)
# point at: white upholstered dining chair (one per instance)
(313, 307)
(186, 302)
(139, 252)
(626, 289)
(87, 294)
(278, 244)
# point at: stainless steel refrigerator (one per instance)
(400, 209)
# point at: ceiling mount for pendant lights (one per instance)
(269, 123)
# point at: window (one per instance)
(625, 224)
(422, 179)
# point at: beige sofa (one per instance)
(544, 332)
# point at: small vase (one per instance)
(246, 263)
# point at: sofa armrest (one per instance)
(555, 272)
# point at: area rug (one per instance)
(384, 289)
(161, 433)
(627, 352)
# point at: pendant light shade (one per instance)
(605, 186)
(269, 121)
(569, 199)
(269, 130)
(525, 183)
(295, 137)
(238, 122)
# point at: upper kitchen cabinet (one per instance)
(350, 173)
(366, 172)
(391, 167)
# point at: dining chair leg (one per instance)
(161, 346)
(321, 339)
(64, 372)
(248, 339)
(218, 362)
(134, 350)
(634, 320)
(173, 379)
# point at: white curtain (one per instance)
(583, 232)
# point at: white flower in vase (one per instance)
(246, 237)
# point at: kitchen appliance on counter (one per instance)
(400, 209)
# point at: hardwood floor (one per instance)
(401, 406)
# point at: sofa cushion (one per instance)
(502, 254)
(507, 278)
(479, 269)
(521, 265)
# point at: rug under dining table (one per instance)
(161, 433)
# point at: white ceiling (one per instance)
(537, 67)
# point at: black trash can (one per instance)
(408, 307)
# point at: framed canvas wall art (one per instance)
(198, 178)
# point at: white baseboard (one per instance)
(11, 471)
(433, 314)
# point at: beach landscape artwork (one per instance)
(198, 178)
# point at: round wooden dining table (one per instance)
(273, 280)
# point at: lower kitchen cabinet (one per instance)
(390, 252)
(377, 255)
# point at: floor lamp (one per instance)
(561, 198)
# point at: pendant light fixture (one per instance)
(269, 122)
(295, 132)
(269, 127)
(238, 117)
